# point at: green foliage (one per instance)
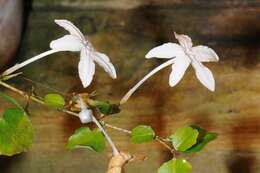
(11, 100)
(86, 138)
(16, 132)
(54, 100)
(175, 166)
(203, 139)
(184, 138)
(105, 107)
(141, 134)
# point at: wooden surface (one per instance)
(230, 27)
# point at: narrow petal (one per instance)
(69, 26)
(205, 54)
(167, 50)
(184, 40)
(179, 67)
(104, 62)
(67, 43)
(86, 68)
(204, 75)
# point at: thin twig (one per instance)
(24, 94)
(115, 150)
(115, 128)
(162, 141)
(27, 96)
(159, 139)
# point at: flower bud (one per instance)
(85, 116)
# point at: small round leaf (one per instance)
(141, 134)
(86, 138)
(203, 139)
(16, 132)
(184, 138)
(54, 100)
(175, 166)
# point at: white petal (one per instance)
(167, 50)
(67, 43)
(184, 40)
(179, 67)
(69, 26)
(86, 68)
(204, 75)
(205, 54)
(104, 62)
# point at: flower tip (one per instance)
(217, 58)
(59, 20)
(52, 44)
(211, 88)
(176, 34)
(85, 84)
(148, 55)
(114, 76)
(172, 84)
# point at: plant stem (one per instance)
(159, 139)
(115, 128)
(134, 88)
(27, 96)
(113, 146)
(97, 122)
(28, 61)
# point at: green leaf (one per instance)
(11, 100)
(54, 100)
(184, 138)
(16, 132)
(86, 138)
(141, 134)
(105, 107)
(175, 166)
(204, 138)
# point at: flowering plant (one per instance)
(16, 131)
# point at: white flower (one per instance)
(181, 56)
(184, 55)
(76, 41)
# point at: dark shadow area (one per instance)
(241, 159)
(147, 21)
(241, 164)
(7, 163)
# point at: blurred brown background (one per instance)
(126, 30)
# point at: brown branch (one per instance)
(34, 98)
(159, 139)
